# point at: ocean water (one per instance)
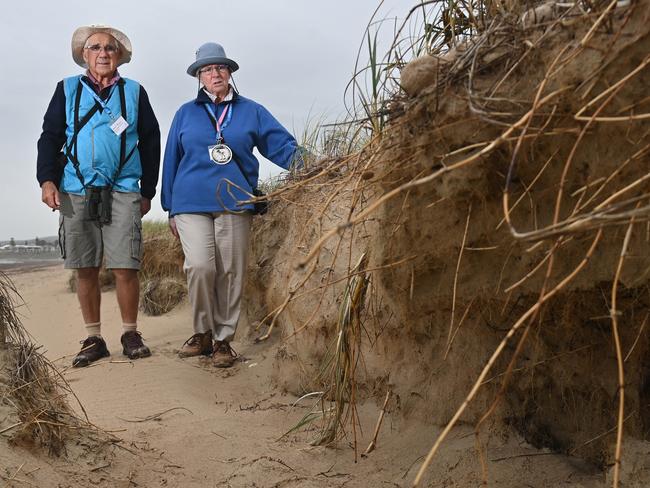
(20, 260)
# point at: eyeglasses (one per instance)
(108, 49)
(217, 68)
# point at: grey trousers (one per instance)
(216, 254)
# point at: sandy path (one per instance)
(221, 427)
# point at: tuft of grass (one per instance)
(31, 386)
(342, 359)
(430, 27)
(154, 228)
(159, 296)
(163, 254)
(161, 273)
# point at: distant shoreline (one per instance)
(21, 262)
(25, 267)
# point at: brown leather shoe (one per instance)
(223, 356)
(197, 345)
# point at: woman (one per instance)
(208, 169)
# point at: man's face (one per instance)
(101, 53)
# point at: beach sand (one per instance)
(186, 423)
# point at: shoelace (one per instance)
(225, 348)
(195, 339)
(88, 342)
(133, 340)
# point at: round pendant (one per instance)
(221, 154)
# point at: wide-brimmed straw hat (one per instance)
(211, 53)
(82, 34)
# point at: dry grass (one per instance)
(339, 373)
(163, 254)
(162, 277)
(159, 296)
(34, 394)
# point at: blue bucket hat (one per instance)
(211, 53)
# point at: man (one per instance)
(98, 160)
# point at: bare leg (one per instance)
(89, 294)
(127, 288)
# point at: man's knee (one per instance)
(125, 275)
(88, 274)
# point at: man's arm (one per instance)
(49, 168)
(48, 165)
(148, 147)
(173, 156)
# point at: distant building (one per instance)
(28, 248)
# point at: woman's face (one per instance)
(215, 78)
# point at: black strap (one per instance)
(123, 157)
(71, 149)
(241, 170)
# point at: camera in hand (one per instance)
(97, 205)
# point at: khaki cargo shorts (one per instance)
(84, 243)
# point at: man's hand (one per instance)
(172, 227)
(145, 206)
(50, 195)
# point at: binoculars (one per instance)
(97, 205)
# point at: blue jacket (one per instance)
(98, 147)
(192, 183)
(55, 129)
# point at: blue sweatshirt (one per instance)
(192, 183)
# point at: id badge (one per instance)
(119, 125)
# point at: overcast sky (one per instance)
(295, 57)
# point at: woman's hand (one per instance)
(172, 227)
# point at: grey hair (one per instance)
(116, 46)
(115, 42)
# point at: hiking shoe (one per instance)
(132, 345)
(199, 344)
(92, 349)
(223, 356)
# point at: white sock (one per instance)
(129, 327)
(94, 329)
